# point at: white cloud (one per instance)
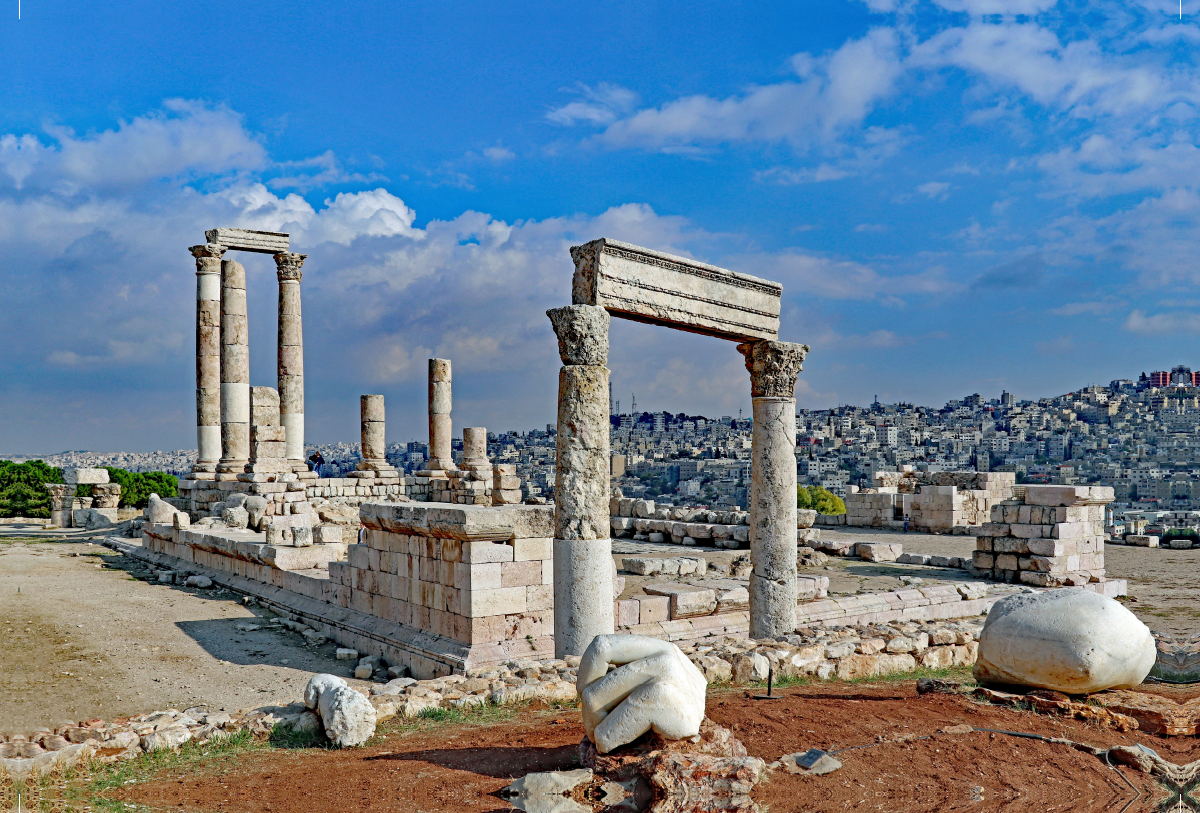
(499, 154)
(1160, 323)
(599, 105)
(934, 190)
(831, 94)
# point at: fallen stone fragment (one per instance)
(348, 717)
(1073, 641)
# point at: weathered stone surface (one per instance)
(654, 687)
(773, 368)
(1073, 641)
(348, 717)
(159, 511)
(879, 551)
(582, 332)
(84, 476)
(773, 594)
(650, 286)
(441, 457)
(581, 485)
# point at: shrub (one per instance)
(819, 499)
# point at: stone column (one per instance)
(235, 370)
(583, 565)
(475, 448)
(291, 354)
(773, 369)
(441, 457)
(374, 443)
(208, 355)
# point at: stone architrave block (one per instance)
(649, 286)
(259, 242)
(84, 476)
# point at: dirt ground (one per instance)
(80, 638)
(895, 759)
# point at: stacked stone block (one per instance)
(268, 438)
(479, 575)
(1054, 537)
(506, 485)
(471, 484)
(235, 372)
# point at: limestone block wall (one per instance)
(293, 493)
(939, 502)
(478, 575)
(1053, 537)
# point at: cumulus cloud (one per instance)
(828, 95)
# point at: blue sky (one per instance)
(957, 195)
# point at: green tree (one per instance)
(136, 487)
(819, 499)
(23, 491)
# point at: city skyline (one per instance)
(955, 195)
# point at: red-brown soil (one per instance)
(460, 768)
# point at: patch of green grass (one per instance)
(190, 756)
(957, 674)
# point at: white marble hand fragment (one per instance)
(654, 687)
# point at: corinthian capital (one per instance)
(287, 266)
(582, 334)
(773, 367)
(208, 257)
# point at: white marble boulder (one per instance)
(348, 717)
(1072, 641)
(654, 687)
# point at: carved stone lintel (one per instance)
(773, 367)
(287, 266)
(582, 332)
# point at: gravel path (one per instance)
(81, 638)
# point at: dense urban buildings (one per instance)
(1140, 436)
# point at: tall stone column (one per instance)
(773, 369)
(235, 370)
(583, 565)
(291, 354)
(208, 355)
(441, 456)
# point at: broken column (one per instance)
(291, 355)
(208, 355)
(61, 498)
(773, 368)
(441, 458)
(235, 370)
(374, 442)
(472, 483)
(583, 568)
